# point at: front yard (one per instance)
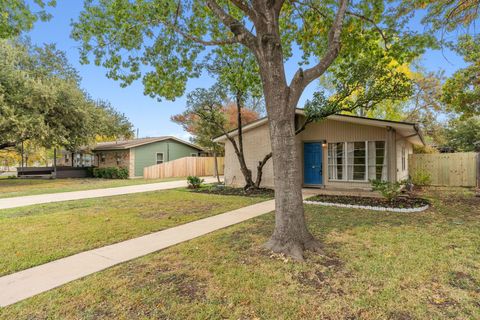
(34, 235)
(26, 187)
(376, 265)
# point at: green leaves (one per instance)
(165, 43)
(445, 15)
(17, 16)
(129, 38)
(41, 101)
(461, 92)
(464, 135)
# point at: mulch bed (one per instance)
(400, 202)
(229, 191)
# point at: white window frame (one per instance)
(404, 165)
(345, 164)
(156, 158)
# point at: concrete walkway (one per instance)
(7, 203)
(27, 283)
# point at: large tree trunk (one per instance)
(290, 235)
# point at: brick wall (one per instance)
(113, 159)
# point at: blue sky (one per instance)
(151, 117)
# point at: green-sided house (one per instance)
(137, 154)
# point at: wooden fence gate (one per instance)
(183, 167)
(448, 169)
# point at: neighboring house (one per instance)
(137, 154)
(340, 152)
(75, 159)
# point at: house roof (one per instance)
(409, 130)
(128, 144)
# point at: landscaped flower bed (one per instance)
(229, 191)
(400, 204)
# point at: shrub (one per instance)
(421, 178)
(389, 190)
(110, 173)
(194, 182)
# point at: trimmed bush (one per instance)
(110, 173)
(194, 182)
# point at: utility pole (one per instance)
(22, 155)
(55, 162)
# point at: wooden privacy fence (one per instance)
(183, 167)
(447, 169)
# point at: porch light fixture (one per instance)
(324, 143)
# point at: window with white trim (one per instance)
(159, 157)
(357, 161)
(336, 161)
(404, 164)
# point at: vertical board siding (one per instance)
(183, 167)
(447, 169)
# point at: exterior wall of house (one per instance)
(64, 158)
(338, 131)
(131, 163)
(403, 149)
(113, 158)
(146, 155)
(257, 145)
(77, 159)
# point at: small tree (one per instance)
(389, 190)
(206, 118)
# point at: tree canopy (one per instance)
(464, 135)
(444, 15)
(20, 15)
(461, 92)
(168, 42)
(41, 101)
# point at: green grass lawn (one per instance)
(26, 187)
(37, 234)
(375, 265)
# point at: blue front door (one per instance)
(312, 163)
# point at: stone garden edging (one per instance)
(354, 206)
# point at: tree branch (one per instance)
(260, 166)
(277, 5)
(219, 42)
(379, 30)
(303, 78)
(238, 29)
(245, 8)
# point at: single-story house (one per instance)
(339, 152)
(133, 155)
